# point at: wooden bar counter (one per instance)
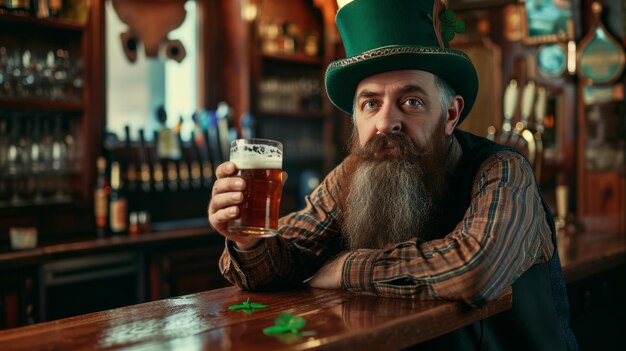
(335, 320)
(584, 254)
(594, 265)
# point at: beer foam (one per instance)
(256, 156)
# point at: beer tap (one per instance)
(144, 167)
(540, 112)
(528, 99)
(168, 149)
(199, 138)
(196, 166)
(491, 133)
(184, 172)
(212, 136)
(510, 102)
(224, 114)
(131, 172)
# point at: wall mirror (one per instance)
(135, 90)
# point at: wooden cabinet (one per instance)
(69, 279)
(185, 271)
(49, 128)
(17, 297)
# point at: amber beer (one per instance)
(259, 163)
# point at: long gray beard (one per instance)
(387, 202)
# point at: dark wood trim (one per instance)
(94, 93)
(17, 259)
(477, 5)
(64, 24)
(209, 62)
(232, 52)
(32, 104)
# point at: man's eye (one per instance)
(369, 105)
(413, 102)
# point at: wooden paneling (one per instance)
(185, 271)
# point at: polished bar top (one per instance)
(586, 253)
(335, 320)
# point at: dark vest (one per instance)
(539, 317)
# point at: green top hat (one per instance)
(389, 35)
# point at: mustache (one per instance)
(403, 147)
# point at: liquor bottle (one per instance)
(55, 8)
(27, 182)
(143, 218)
(36, 153)
(196, 164)
(184, 171)
(118, 205)
(133, 224)
(14, 154)
(144, 166)
(42, 8)
(101, 198)
(48, 182)
(131, 170)
(157, 168)
(37, 162)
(172, 176)
(167, 148)
(59, 162)
(166, 142)
(5, 183)
(72, 137)
(183, 174)
(15, 161)
(19, 7)
(59, 147)
(171, 171)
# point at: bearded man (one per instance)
(419, 209)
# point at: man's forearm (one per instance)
(266, 265)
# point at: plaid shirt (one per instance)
(503, 232)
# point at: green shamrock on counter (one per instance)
(450, 25)
(285, 323)
(247, 306)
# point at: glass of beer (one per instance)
(259, 163)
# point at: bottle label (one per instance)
(55, 4)
(119, 209)
(100, 207)
(167, 145)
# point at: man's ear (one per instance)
(454, 113)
